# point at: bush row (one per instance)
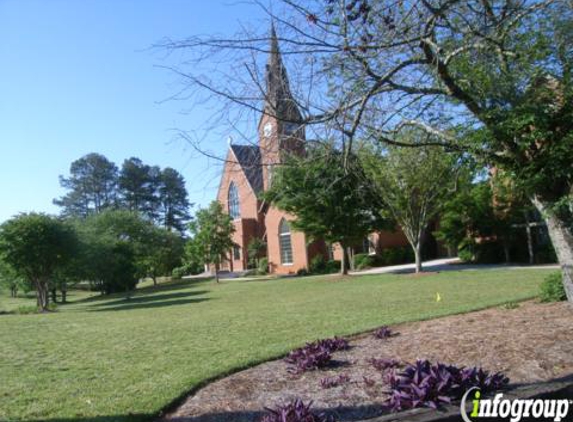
(388, 256)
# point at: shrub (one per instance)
(430, 385)
(335, 344)
(315, 355)
(263, 266)
(189, 268)
(178, 273)
(383, 333)
(363, 260)
(395, 256)
(32, 309)
(330, 382)
(26, 310)
(317, 265)
(545, 254)
(302, 272)
(489, 253)
(295, 411)
(465, 255)
(551, 289)
(307, 358)
(332, 266)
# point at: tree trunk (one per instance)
(506, 250)
(64, 296)
(529, 240)
(54, 295)
(344, 261)
(154, 278)
(42, 296)
(418, 256)
(217, 273)
(562, 240)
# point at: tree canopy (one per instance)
(412, 184)
(330, 200)
(95, 185)
(35, 246)
(211, 236)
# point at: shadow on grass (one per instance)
(150, 298)
(149, 290)
(151, 301)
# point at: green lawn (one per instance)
(105, 359)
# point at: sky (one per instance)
(79, 76)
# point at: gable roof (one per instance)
(249, 158)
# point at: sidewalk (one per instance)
(449, 264)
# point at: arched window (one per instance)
(285, 242)
(234, 211)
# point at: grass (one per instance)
(107, 359)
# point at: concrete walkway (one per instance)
(447, 264)
(444, 264)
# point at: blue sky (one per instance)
(77, 76)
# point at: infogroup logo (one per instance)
(513, 409)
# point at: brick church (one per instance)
(248, 172)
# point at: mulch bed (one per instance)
(533, 342)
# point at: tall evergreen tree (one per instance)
(92, 186)
(174, 204)
(138, 184)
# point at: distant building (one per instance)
(248, 172)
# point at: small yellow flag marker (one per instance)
(438, 297)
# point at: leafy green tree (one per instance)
(211, 236)
(35, 246)
(92, 186)
(115, 249)
(331, 199)
(173, 199)
(165, 251)
(255, 250)
(138, 185)
(10, 280)
(412, 183)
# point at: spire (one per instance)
(278, 98)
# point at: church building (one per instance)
(248, 171)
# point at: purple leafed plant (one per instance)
(312, 356)
(383, 363)
(330, 382)
(383, 333)
(315, 355)
(430, 385)
(335, 344)
(295, 411)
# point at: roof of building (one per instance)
(249, 158)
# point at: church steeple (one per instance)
(279, 101)
(280, 127)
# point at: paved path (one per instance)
(444, 264)
(447, 264)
